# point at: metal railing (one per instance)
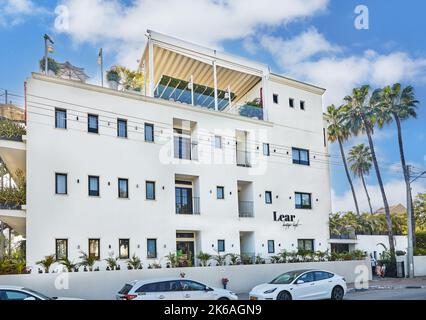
(243, 158)
(184, 149)
(347, 236)
(185, 205)
(245, 209)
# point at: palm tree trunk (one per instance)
(342, 152)
(382, 190)
(406, 174)
(366, 192)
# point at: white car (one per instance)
(172, 289)
(302, 285)
(15, 293)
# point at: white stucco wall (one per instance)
(374, 243)
(105, 284)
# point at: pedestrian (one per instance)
(373, 263)
(383, 270)
(378, 270)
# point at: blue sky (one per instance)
(311, 40)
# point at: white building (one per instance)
(216, 154)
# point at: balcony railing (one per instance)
(243, 158)
(347, 236)
(185, 149)
(245, 209)
(185, 205)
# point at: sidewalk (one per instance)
(393, 283)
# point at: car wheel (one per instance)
(337, 293)
(284, 295)
(223, 299)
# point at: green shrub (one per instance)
(12, 197)
(11, 129)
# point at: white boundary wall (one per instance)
(105, 284)
(419, 266)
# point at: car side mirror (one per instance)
(208, 289)
(300, 281)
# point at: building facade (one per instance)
(214, 154)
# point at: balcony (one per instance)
(245, 209)
(185, 205)
(243, 159)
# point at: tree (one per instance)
(361, 162)
(420, 211)
(360, 113)
(337, 130)
(399, 104)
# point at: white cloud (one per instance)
(207, 22)
(13, 12)
(312, 58)
(395, 192)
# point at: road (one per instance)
(394, 294)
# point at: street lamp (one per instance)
(48, 48)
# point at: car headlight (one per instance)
(270, 291)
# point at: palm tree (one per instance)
(338, 131)
(399, 104)
(360, 112)
(361, 162)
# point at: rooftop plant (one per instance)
(14, 197)
(52, 65)
(11, 130)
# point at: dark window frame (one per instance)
(155, 255)
(56, 248)
(120, 120)
(98, 257)
(217, 192)
(270, 198)
(149, 125)
(58, 110)
(127, 188)
(304, 241)
(57, 174)
(273, 246)
(221, 242)
(301, 205)
(302, 105)
(146, 190)
(120, 256)
(268, 151)
(95, 193)
(291, 102)
(89, 128)
(299, 161)
(275, 98)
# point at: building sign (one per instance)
(286, 219)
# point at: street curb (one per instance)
(386, 288)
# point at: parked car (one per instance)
(172, 289)
(14, 293)
(302, 285)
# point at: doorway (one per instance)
(185, 248)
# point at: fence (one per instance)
(105, 284)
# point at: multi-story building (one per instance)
(216, 154)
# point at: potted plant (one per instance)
(112, 262)
(68, 264)
(113, 77)
(225, 282)
(47, 262)
(172, 260)
(134, 263)
(87, 261)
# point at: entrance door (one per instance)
(185, 252)
(183, 200)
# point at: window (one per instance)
(12, 295)
(303, 200)
(164, 286)
(151, 248)
(123, 188)
(305, 244)
(322, 275)
(60, 118)
(307, 277)
(302, 105)
(149, 132)
(220, 192)
(122, 128)
(61, 183)
(95, 248)
(301, 156)
(268, 197)
(218, 142)
(220, 245)
(192, 286)
(266, 149)
(291, 103)
(93, 186)
(61, 249)
(123, 248)
(271, 246)
(93, 123)
(275, 98)
(150, 190)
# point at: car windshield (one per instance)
(40, 295)
(286, 278)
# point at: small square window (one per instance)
(220, 192)
(268, 197)
(300, 156)
(123, 248)
(291, 103)
(122, 128)
(150, 190)
(266, 149)
(303, 200)
(60, 118)
(149, 132)
(93, 123)
(220, 245)
(61, 249)
(61, 184)
(305, 244)
(302, 105)
(123, 188)
(275, 98)
(93, 186)
(151, 248)
(271, 246)
(218, 142)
